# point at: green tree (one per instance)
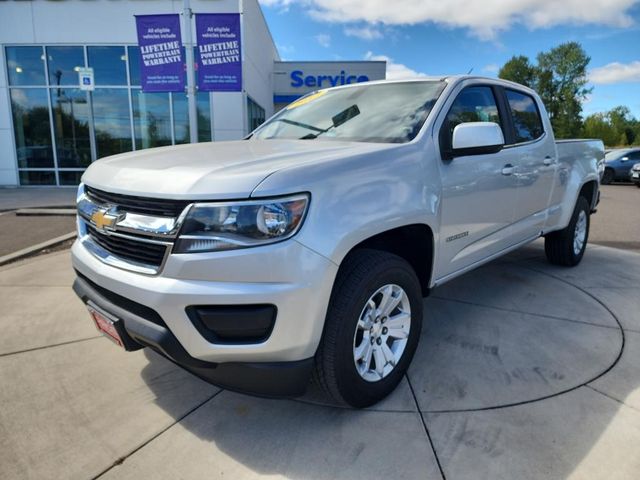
(519, 69)
(562, 80)
(598, 126)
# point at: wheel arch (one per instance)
(414, 243)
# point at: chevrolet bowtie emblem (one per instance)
(103, 220)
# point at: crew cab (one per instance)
(307, 248)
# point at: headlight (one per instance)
(212, 227)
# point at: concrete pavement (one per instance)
(524, 370)
(30, 197)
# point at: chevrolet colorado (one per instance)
(306, 248)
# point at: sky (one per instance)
(436, 37)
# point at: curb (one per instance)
(26, 252)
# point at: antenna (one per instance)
(470, 70)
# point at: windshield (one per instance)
(616, 154)
(385, 112)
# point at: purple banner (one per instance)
(161, 53)
(219, 57)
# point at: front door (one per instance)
(478, 191)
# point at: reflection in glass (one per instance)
(152, 122)
(111, 121)
(181, 117)
(63, 64)
(69, 178)
(134, 65)
(25, 66)
(71, 127)
(255, 114)
(109, 65)
(31, 127)
(37, 177)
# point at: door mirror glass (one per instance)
(476, 138)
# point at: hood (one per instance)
(215, 170)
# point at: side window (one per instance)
(473, 104)
(526, 117)
(634, 156)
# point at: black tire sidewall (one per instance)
(581, 205)
(354, 389)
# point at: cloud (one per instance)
(395, 71)
(323, 39)
(491, 68)
(485, 19)
(616, 73)
(364, 33)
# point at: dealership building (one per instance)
(51, 129)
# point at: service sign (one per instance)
(161, 54)
(85, 78)
(219, 52)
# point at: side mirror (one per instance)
(476, 138)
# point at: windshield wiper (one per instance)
(337, 120)
(300, 124)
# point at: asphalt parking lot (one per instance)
(524, 370)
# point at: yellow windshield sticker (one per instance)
(305, 100)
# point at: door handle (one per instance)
(508, 169)
(547, 160)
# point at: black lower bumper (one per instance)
(142, 327)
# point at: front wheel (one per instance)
(372, 328)
(567, 246)
(607, 177)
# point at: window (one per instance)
(109, 65)
(111, 121)
(25, 65)
(71, 127)
(63, 64)
(525, 115)
(255, 114)
(473, 104)
(181, 117)
(59, 129)
(151, 119)
(32, 128)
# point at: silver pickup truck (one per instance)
(306, 249)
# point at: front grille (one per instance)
(129, 249)
(142, 205)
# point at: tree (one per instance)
(519, 69)
(617, 127)
(562, 78)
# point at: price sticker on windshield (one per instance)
(305, 100)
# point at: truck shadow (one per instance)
(516, 360)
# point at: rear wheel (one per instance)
(372, 328)
(607, 177)
(567, 246)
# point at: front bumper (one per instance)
(288, 275)
(266, 378)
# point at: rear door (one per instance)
(534, 153)
(478, 191)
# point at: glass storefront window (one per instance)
(151, 118)
(63, 64)
(255, 114)
(181, 117)
(134, 65)
(109, 65)
(25, 65)
(70, 177)
(37, 177)
(71, 127)
(31, 126)
(111, 121)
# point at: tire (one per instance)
(563, 247)
(638, 185)
(607, 177)
(361, 277)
